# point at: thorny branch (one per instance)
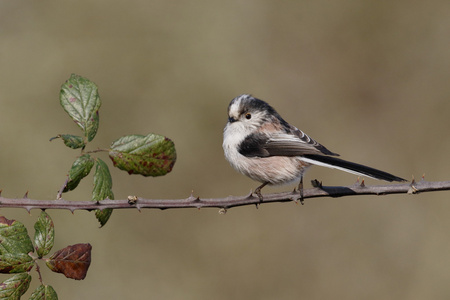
(228, 202)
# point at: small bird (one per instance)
(260, 144)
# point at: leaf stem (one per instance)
(59, 195)
(97, 150)
(38, 270)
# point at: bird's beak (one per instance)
(231, 120)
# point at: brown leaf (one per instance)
(72, 261)
(5, 221)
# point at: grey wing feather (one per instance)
(295, 143)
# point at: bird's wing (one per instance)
(281, 144)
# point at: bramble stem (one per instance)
(228, 202)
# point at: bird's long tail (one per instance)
(350, 167)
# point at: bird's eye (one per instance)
(248, 116)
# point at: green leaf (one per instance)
(44, 292)
(151, 155)
(102, 190)
(14, 237)
(80, 99)
(103, 215)
(13, 288)
(44, 235)
(72, 141)
(102, 182)
(80, 169)
(15, 263)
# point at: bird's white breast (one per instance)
(274, 170)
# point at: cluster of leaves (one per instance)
(17, 257)
(150, 155)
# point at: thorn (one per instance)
(138, 208)
(28, 208)
(296, 200)
(1, 192)
(423, 178)
(413, 190)
(222, 211)
(192, 198)
(360, 182)
(294, 191)
(249, 195)
(26, 195)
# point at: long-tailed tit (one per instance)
(259, 143)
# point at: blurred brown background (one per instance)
(369, 79)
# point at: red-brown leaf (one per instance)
(72, 261)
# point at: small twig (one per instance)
(228, 202)
(38, 270)
(97, 150)
(59, 195)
